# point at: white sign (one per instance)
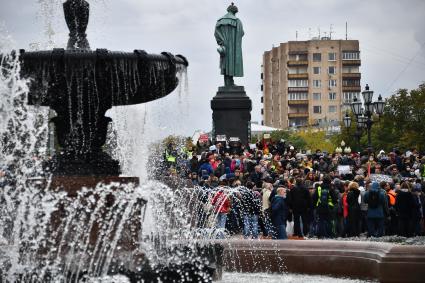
(266, 136)
(221, 138)
(252, 146)
(234, 139)
(380, 177)
(344, 169)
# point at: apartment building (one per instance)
(309, 82)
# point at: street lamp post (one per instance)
(364, 115)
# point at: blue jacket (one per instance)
(207, 167)
(280, 211)
(377, 212)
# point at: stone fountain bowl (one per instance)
(107, 78)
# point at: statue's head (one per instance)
(232, 9)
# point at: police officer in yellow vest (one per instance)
(170, 156)
(324, 199)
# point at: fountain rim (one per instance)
(100, 53)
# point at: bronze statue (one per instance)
(229, 33)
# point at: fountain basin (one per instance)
(364, 260)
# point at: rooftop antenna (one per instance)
(330, 32)
(346, 30)
(319, 32)
(296, 35)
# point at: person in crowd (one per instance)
(279, 213)
(251, 205)
(324, 200)
(354, 214)
(375, 200)
(266, 209)
(300, 205)
(418, 210)
(404, 205)
(222, 204)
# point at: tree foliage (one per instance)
(402, 124)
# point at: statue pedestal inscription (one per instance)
(232, 113)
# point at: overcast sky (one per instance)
(391, 35)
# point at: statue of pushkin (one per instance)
(229, 33)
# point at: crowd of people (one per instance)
(263, 190)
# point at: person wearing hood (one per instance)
(375, 200)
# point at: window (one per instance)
(298, 83)
(298, 57)
(351, 55)
(317, 57)
(332, 56)
(297, 70)
(316, 70)
(332, 83)
(332, 109)
(351, 83)
(349, 96)
(332, 96)
(298, 96)
(350, 69)
(332, 70)
(317, 96)
(317, 109)
(317, 83)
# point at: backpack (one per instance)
(323, 201)
(373, 199)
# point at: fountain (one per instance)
(80, 85)
(80, 219)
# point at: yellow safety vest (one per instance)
(319, 193)
(169, 157)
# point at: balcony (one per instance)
(298, 102)
(297, 115)
(351, 62)
(351, 75)
(297, 63)
(352, 88)
(297, 89)
(298, 76)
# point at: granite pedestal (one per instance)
(232, 113)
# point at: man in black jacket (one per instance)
(300, 205)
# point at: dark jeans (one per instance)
(353, 223)
(375, 227)
(324, 228)
(281, 232)
(304, 217)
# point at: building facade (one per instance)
(309, 83)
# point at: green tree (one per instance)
(402, 124)
(292, 138)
